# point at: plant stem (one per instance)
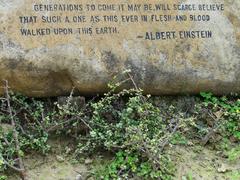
(21, 168)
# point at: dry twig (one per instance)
(217, 124)
(21, 170)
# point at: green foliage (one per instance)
(235, 175)
(2, 177)
(35, 120)
(234, 154)
(127, 124)
(189, 176)
(222, 102)
(224, 110)
(219, 122)
(128, 165)
(178, 138)
(27, 115)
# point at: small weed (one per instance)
(179, 139)
(2, 177)
(221, 116)
(189, 176)
(234, 154)
(235, 175)
(127, 166)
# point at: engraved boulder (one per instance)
(171, 47)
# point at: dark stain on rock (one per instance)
(111, 62)
(136, 72)
(60, 81)
(11, 44)
(148, 75)
(237, 77)
(236, 23)
(13, 63)
(234, 19)
(1, 46)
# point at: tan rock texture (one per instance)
(52, 64)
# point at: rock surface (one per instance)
(171, 47)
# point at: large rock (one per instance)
(184, 46)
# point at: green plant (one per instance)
(2, 177)
(235, 175)
(234, 154)
(20, 130)
(224, 112)
(127, 124)
(128, 165)
(178, 138)
(189, 176)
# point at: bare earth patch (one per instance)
(203, 164)
(193, 162)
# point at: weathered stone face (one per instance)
(49, 47)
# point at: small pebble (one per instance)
(88, 161)
(60, 159)
(79, 177)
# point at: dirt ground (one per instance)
(193, 163)
(204, 164)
